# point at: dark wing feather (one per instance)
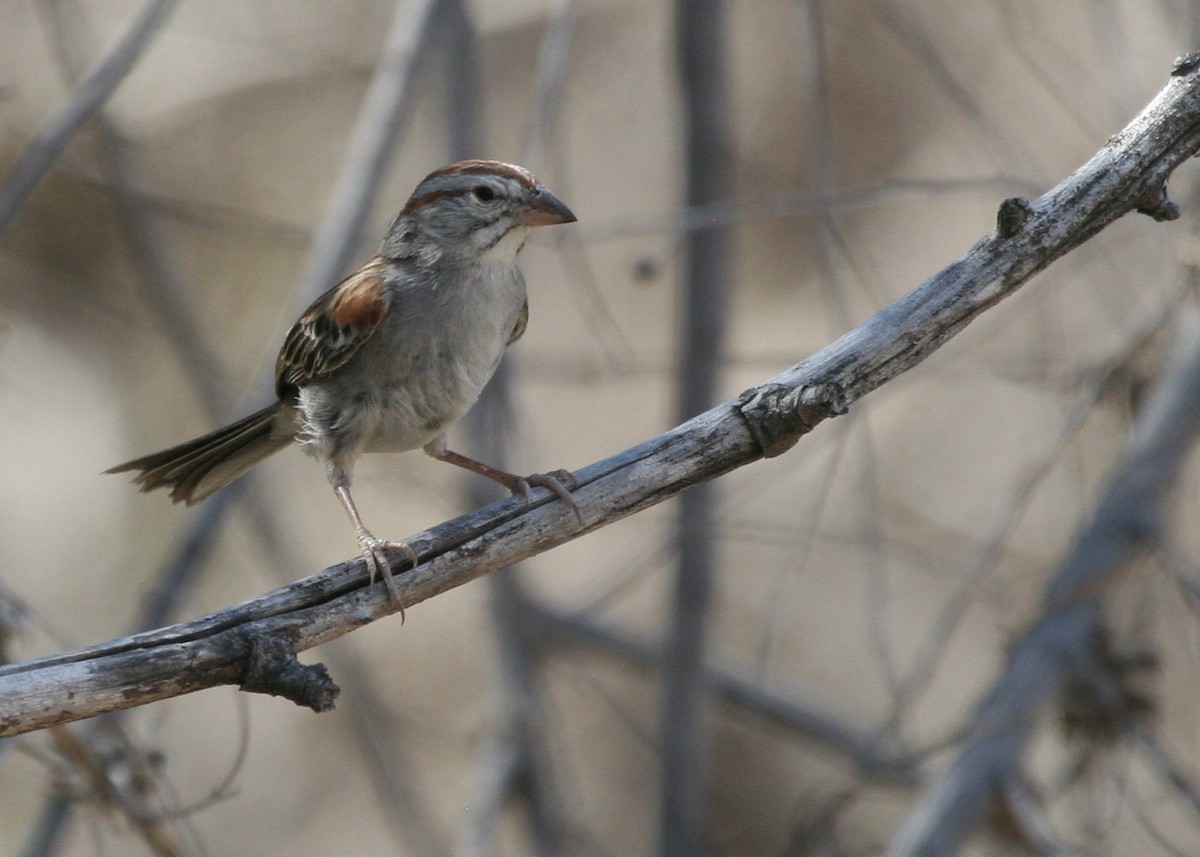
(522, 321)
(332, 329)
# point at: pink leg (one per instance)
(374, 550)
(516, 484)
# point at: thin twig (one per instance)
(1164, 764)
(386, 761)
(795, 205)
(902, 21)
(372, 143)
(791, 713)
(89, 96)
(554, 58)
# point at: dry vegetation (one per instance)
(868, 603)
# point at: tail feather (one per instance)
(197, 468)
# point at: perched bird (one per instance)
(391, 356)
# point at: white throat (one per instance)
(504, 252)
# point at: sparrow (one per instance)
(394, 354)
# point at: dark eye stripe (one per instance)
(465, 177)
(418, 202)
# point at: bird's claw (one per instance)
(374, 553)
(554, 481)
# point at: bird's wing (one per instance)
(332, 329)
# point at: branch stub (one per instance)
(1185, 64)
(1012, 216)
(272, 668)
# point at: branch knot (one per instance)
(1012, 216)
(1186, 64)
(778, 415)
(272, 667)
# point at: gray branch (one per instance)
(1129, 173)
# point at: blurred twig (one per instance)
(383, 750)
(934, 648)
(835, 258)
(463, 91)
(116, 773)
(707, 274)
(372, 143)
(516, 764)
(417, 27)
(825, 172)
(48, 831)
(792, 205)
(1060, 646)
(1129, 173)
(1164, 764)
(175, 318)
(903, 22)
(1033, 57)
(88, 97)
(105, 770)
(554, 58)
(793, 714)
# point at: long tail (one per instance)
(195, 469)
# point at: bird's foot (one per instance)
(556, 481)
(375, 553)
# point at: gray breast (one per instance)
(428, 371)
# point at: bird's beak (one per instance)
(544, 209)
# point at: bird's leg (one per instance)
(516, 484)
(374, 550)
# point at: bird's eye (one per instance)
(483, 193)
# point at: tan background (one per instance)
(835, 559)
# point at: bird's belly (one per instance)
(410, 381)
(402, 405)
(416, 411)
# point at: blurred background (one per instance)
(852, 600)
